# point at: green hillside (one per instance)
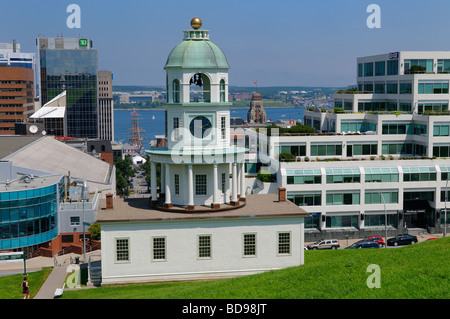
(419, 271)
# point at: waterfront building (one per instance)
(256, 113)
(388, 136)
(203, 224)
(70, 64)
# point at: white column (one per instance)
(163, 178)
(242, 194)
(190, 186)
(234, 181)
(215, 185)
(153, 180)
(168, 199)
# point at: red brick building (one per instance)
(16, 97)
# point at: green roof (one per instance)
(197, 54)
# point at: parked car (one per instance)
(325, 244)
(363, 244)
(402, 240)
(378, 239)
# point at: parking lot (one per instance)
(347, 242)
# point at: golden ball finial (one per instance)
(196, 23)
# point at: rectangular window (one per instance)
(75, 221)
(342, 175)
(326, 150)
(360, 69)
(372, 220)
(391, 88)
(379, 175)
(368, 69)
(200, 184)
(380, 68)
(425, 87)
(67, 238)
(342, 221)
(406, 88)
(159, 248)
(441, 130)
(375, 197)
(249, 245)
(306, 199)
(176, 126)
(177, 184)
(343, 198)
(122, 249)
(305, 176)
(379, 88)
(392, 67)
(284, 243)
(223, 128)
(204, 246)
(418, 174)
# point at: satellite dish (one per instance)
(33, 129)
(44, 132)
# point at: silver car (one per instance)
(325, 244)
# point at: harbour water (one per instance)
(152, 121)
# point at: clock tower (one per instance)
(199, 167)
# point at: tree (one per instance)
(95, 231)
(124, 171)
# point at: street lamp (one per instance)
(445, 203)
(385, 220)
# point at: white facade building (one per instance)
(390, 135)
(203, 224)
(140, 244)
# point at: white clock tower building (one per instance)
(200, 169)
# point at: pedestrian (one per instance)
(25, 288)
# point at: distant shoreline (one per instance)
(237, 107)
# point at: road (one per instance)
(347, 242)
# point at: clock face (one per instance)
(200, 127)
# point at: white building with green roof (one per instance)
(198, 159)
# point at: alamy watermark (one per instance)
(74, 19)
(200, 146)
(374, 279)
(374, 19)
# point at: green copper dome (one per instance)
(196, 52)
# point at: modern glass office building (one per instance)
(70, 64)
(28, 206)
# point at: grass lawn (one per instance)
(419, 271)
(11, 286)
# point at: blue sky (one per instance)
(277, 43)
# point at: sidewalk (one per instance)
(55, 280)
(57, 276)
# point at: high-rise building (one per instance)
(16, 86)
(70, 64)
(105, 106)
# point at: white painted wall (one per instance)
(182, 247)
